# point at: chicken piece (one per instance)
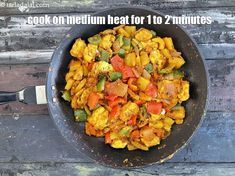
(184, 93)
(150, 143)
(143, 35)
(99, 118)
(128, 110)
(156, 57)
(90, 53)
(78, 48)
(107, 41)
(168, 90)
(100, 67)
(177, 113)
(118, 143)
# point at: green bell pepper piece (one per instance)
(149, 68)
(100, 85)
(95, 40)
(80, 115)
(122, 53)
(66, 95)
(115, 76)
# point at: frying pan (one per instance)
(62, 114)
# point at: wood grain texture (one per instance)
(30, 144)
(22, 43)
(15, 77)
(90, 169)
(60, 6)
(34, 138)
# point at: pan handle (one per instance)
(28, 95)
(6, 97)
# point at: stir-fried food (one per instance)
(125, 84)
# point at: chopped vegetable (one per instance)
(135, 135)
(122, 53)
(175, 75)
(144, 58)
(142, 83)
(111, 97)
(116, 101)
(130, 59)
(104, 55)
(154, 107)
(80, 115)
(132, 121)
(146, 75)
(149, 68)
(100, 85)
(93, 100)
(126, 43)
(143, 112)
(151, 90)
(115, 111)
(132, 84)
(107, 138)
(66, 95)
(118, 65)
(95, 40)
(125, 131)
(115, 76)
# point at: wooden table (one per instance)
(29, 141)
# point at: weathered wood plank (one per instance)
(19, 40)
(221, 74)
(59, 6)
(35, 139)
(90, 169)
(221, 30)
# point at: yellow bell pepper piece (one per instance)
(142, 83)
(144, 58)
(130, 59)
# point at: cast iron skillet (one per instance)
(95, 148)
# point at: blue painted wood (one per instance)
(31, 145)
(35, 139)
